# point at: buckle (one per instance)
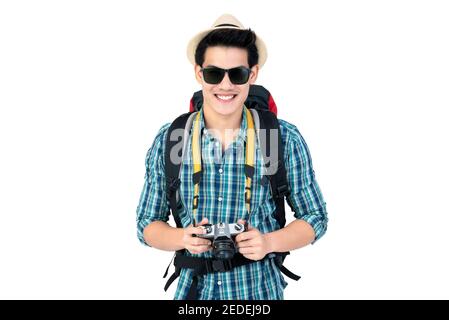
(209, 266)
(278, 257)
(174, 185)
(282, 191)
(221, 265)
(218, 265)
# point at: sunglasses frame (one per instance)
(224, 71)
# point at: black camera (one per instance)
(222, 236)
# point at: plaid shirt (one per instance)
(222, 200)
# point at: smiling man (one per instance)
(218, 188)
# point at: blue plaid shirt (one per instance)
(222, 200)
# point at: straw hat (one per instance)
(226, 21)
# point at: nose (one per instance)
(226, 83)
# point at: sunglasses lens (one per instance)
(239, 75)
(213, 75)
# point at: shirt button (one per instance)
(220, 170)
(219, 283)
(220, 199)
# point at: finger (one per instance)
(247, 243)
(205, 249)
(241, 237)
(245, 223)
(199, 242)
(203, 222)
(247, 235)
(198, 249)
(195, 230)
(244, 236)
(246, 250)
(252, 256)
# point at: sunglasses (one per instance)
(214, 75)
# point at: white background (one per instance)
(85, 86)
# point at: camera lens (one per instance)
(224, 248)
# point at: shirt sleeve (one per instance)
(305, 199)
(153, 204)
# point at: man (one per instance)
(223, 122)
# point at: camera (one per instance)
(222, 236)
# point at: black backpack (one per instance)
(262, 102)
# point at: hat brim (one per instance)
(193, 44)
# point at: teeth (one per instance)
(225, 97)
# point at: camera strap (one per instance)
(249, 161)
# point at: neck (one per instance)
(225, 128)
(220, 122)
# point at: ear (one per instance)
(198, 74)
(254, 74)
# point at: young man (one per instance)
(223, 123)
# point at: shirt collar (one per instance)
(241, 136)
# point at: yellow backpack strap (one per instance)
(249, 161)
(196, 153)
(249, 158)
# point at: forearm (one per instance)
(160, 235)
(295, 235)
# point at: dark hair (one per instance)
(245, 39)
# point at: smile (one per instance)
(225, 98)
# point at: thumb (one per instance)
(247, 226)
(203, 222)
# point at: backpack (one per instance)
(264, 112)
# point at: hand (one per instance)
(252, 244)
(196, 244)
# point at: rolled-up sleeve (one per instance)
(306, 198)
(153, 204)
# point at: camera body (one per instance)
(222, 236)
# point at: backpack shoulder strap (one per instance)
(278, 178)
(176, 141)
(265, 121)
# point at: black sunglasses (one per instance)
(214, 75)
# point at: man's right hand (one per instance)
(193, 244)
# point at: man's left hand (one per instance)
(252, 244)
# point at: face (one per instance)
(225, 98)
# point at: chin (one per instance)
(226, 109)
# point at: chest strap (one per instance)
(202, 266)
